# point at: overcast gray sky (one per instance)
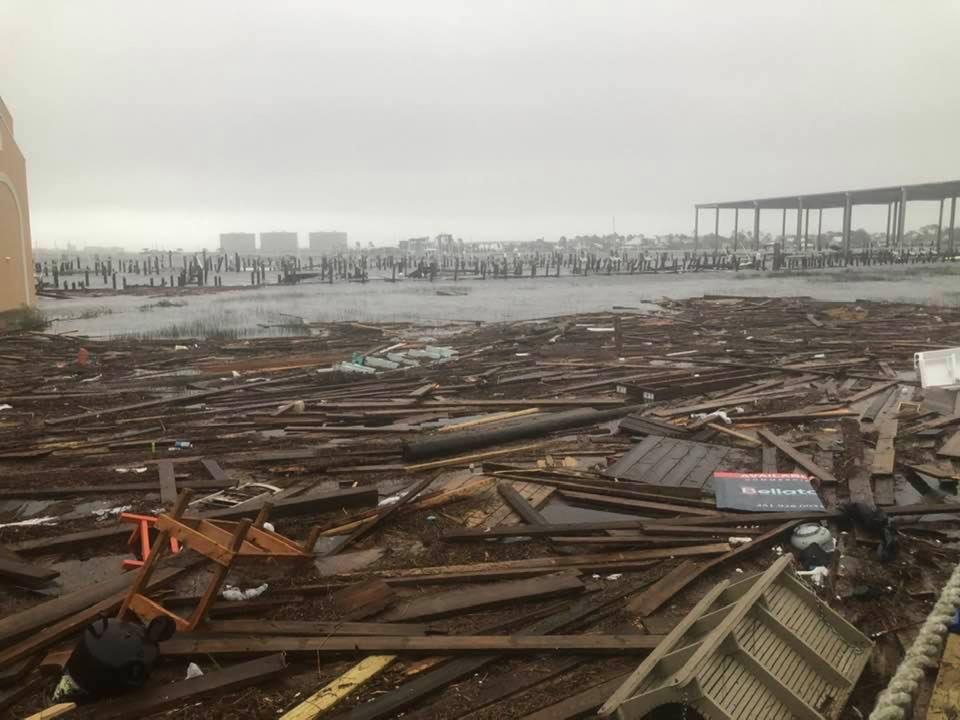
(166, 123)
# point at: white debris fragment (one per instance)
(235, 373)
(48, 520)
(104, 514)
(268, 526)
(4, 406)
(230, 592)
(739, 540)
(739, 570)
(614, 576)
(180, 347)
(193, 670)
(817, 576)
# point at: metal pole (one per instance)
(903, 216)
(756, 226)
(736, 227)
(894, 228)
(940, 226)
(806, 229)
(847, 211)
(889, 210)
(799, 221)
(819, 230)
(716, 227)
(696, 227)
(953, 217)
(783, 232)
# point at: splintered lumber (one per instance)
(580, 704)
(387, 706)
(362, 599)
(572, 561)
(523, 429)
(487, 419)
(874, 408)
(946, 691)
(287, 507)
(141, 703)
(52, 621)
(327, 697)
(628, 505)
(872, 390)
(804, 461)
(438, 605)
(168, 485)
(470, 459)
(677, 579)
(951, 448)
(16, 572)
(587, 644)
(858, 478)
(541, 529)
(381, 516)
(885, 452)
(311, 627)
(216, 472)
(527, 512)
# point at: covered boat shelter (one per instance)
(894, 197)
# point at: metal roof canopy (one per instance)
(873, 196)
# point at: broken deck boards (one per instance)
(804, 461)
(437, 605)
(668, 461)
(945, 700)
(168, 485)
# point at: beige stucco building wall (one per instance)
(16, 258)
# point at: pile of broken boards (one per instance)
(507, 534)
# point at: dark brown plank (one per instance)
(168, 484)
(694, 455)
(632, 456)
(587, 644)
(216, 472)
(702, 475)
(874, 408)
(951, 448)
(804, 461)
(580, 704)
(439, 605)
(768, 459)
(884, 456)
(664, 467)
(152, 700)
(527, 512)
(24, 574)
(311, 627)
(631, 506)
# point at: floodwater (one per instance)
(274, 310)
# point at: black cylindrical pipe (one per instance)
(537, 426)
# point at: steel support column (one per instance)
(940, 226)
(953, 218)
(903, 218)
(847, 211)
(889, 211)
(820, 230)
(806, 229)
(716, 228)
(696, 228)
(736, 227)
(783, 232)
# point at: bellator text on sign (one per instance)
(765, 492)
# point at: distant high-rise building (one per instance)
(16, 257)
(328, 243)
(238, 242)
(280, 243)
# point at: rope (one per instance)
(894, 702)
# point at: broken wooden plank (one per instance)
(631, 506)
(331, 694)
(951, 448)
(874, 408)
(580, 704)
(519, 504)
(587, 644)
(884, 456)
(437, 605)
(945, 698)
(216, 472)
(168, 485)
(148, 701)
(362, 599)
(24, 574)
(804, 461)
(312, 627)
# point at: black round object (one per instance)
(113, 655)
